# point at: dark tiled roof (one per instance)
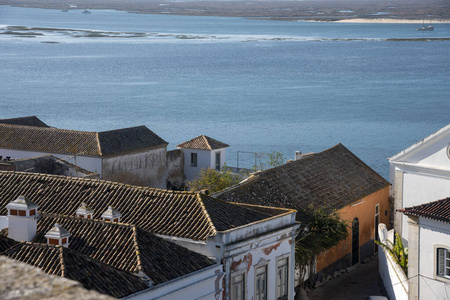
(437, 210)
(331, 179)
(182, 214)
(203, 142)
(5, 242)
(64, 262)
(128, 139)
(126, 247)
(53, 140)
(26, 121)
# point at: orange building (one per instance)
(335, 180)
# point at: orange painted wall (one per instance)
(364, 210)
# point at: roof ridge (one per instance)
(120, 129)
(137, 249)
(114, 183)
(62, 262)
(47, 128)
(56, 215)
(205, 212)
(97, 137)
(205, 138)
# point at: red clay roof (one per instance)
(437, 210)
(203, 142)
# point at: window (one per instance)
(443, 262)
(13, 212)
(282, 278)
(193, 159)
(22, 213)
(261, 283)
(53, 241)
(32, 212)
(238, 287)
(218, 161)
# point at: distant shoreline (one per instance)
(282, 10)
(390, 21)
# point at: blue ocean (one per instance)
(258, 85)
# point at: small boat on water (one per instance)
(425, 28)
(86, 11)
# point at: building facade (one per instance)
(200, 153)
(420, 173)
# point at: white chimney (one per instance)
(111, 215)
(22, 219)
(84, 211)
(58, 236)
(298, 155)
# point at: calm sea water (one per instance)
(260, 86)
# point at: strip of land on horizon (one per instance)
(355, 11)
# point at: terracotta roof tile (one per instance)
(331, 179)
(180, 214)
(203, 142)
(26, 121)
(125, 247)
(53, 140)
(437, 210)
(65, 262)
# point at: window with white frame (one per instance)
(443, 262)
(261, 283)
(193, 159)
(282, 278)
(238, 287)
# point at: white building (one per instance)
(420, 173)
(131, 155)
(429, 250)
(200, 153)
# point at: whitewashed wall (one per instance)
(146, 168)
(93, 164)
(392, 275)
(433, 234)
(203, 284)
(205, 159)
(420, 188)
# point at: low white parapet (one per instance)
(392, 275)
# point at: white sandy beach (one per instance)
(386, 20)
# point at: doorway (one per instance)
(355, 241)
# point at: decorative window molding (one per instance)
(238, 285)
(448, 151)
(282, 280)
(441, 262)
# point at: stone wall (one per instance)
(175, 170)
(20, 281)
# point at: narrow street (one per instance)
(358, 284)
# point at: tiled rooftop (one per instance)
(126, 247)
(64, 262)
(180, 214)
(437, 210)
(27, 121)
(331, 179)
(53, 140)
(203, 142)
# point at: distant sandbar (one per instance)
(388, 21)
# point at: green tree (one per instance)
(213, 180)
(324, 231)
(275, 159)
(398, 252)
